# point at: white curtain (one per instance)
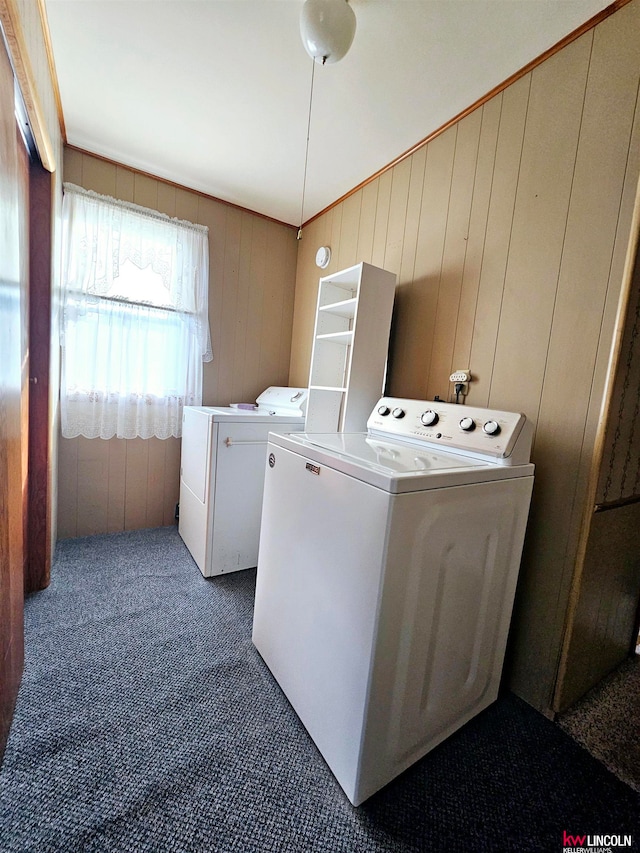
(135, 329)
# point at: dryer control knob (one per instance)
(398, 413)
(467, 424)
(383, 410)
(429, 418)
(491, 428)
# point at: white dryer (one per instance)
(386, 577)
(222, 475)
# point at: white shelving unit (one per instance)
(350, 345)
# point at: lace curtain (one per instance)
(135, 329)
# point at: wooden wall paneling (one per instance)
(513, 104)
(618, 473)
(288, 277)
(601, 633)
(254, 318)
(136, 476)
(407, 267)
(172, 479)
(540, 214)
(244, 292)
(414, 320)
(368, 207)
(394, 217)
(400, 178)
(385, 182)
(73, 166)
(531, 290)
(117, 481)
(602, 649)
(212, 214)
(316, 234)
(407, 289)
(273, 311)
(125, 183)
(336, 238)
(349, 227)
(617, 479)
(233, 224)
(155, 482)
(579, 662)
(93, 485)
(145, 190)
(490, 123)
(583, 638)
(454, 255)
(98, 175)
(67, 488)
(187, 204)
(167, 200)
(595, 198)
(615, 67)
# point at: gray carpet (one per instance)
(146, 721)
(607, 722)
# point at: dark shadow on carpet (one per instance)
(146, 721)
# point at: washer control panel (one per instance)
(504, 437)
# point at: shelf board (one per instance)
(345, 308)
(344, 338)
(326, 388)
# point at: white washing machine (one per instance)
(386, 576)
(222, 465)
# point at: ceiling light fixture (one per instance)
(327, 28)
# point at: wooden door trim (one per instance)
(19, 54)
(38, 566)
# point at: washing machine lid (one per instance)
(392, 465)
(276, 404)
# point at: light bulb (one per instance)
(327, 28)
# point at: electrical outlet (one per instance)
(460, 376)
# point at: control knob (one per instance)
(467, 424)
(491, 428)
(383, 410)
(398, 413)
(429, 418)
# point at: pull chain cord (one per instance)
(306, 153)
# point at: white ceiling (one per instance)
(214, 94)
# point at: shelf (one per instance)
(344, 338)
(326, 388)
(350, 277)
(347, 370)
(346, 308)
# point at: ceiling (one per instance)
(214, 94)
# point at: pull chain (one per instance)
(306, 153)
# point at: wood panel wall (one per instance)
(13, 395)
(508, 233)
(31, 25)
(619, 479)
(605, 592)
(112, 485)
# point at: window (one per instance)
(135, 329)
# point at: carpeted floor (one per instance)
(146, 721)
(607, 722)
